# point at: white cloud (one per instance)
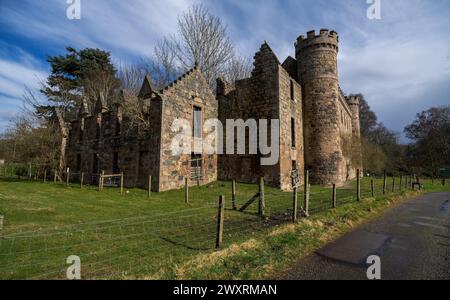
(129, 27)
(400, 63)
(15, 75)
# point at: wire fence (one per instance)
(157, 245)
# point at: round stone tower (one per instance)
(318, 74)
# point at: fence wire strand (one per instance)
(151, 244)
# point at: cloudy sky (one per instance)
(401, 63)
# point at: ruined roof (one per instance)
(146, 89)
(265, 48)
(290, 65)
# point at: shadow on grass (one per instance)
(184, 245)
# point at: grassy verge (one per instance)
(264, 258)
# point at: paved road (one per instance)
(412, 240)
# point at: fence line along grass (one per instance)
(134, 236)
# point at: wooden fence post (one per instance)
(100, 181)
(384, 183)
(121, 183)
(54, 176)
(233, 194)
(220, 217)
(443, 181)
(45, 175)
(358, 185)
(334, 199)
(81, 180)
(295, 205)
(149, 187)
(262, 200)
(393, 184)
(186, 191)
(68, 177)
(29, 171)
(372, 187)
(306, 195)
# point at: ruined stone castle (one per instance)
(319, 126)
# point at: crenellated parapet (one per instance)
(353, 100)
(325, 39)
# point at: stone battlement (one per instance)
(325, 37)
(352, 100)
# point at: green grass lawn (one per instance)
(132, 236)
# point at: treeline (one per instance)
(427, 151)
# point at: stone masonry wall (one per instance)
(266, 95)
(179, 100)
(346, 128)
(291, 156)
(101, 139)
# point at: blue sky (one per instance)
(401, 63)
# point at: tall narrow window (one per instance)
(293, 137)
(81, 135)
(117, 127)
(95, 163)
(116, 169)
(97, 131)
(78, 169)
(197, 130)
(292, 90)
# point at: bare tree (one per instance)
(163, 67)
(202, 39)
(238, 68)
(99, 82)
(131, 77)
(49, 121)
